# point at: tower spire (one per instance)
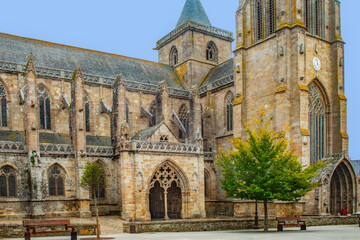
(193, 10)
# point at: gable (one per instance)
(163, 130)
(155, 133)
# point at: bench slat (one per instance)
(287, 218)
(49, 222)
(59, 231)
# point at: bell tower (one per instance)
(195, 46)
(290, 54)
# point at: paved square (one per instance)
(313, 233)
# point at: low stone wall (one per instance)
(15, 230)
(245, 209)
(51, 208)
(226, 224)
(216, 208)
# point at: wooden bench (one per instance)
(31, 226)
(282, 222)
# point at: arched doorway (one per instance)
(157, 209)
(341, 189)
(166, 192)
(174, 201)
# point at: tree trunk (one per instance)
(265, 217)
(97, 217)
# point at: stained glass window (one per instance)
(56, 181)
(317, 123)
(87, 114)
(44, 108)
(7, 182)
(3, 106)
(229, 111)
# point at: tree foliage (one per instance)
(262, 168)
(93, 178)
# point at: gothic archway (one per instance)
(168, 192)
(342, 187)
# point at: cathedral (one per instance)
(155, 128)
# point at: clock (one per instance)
(316, 64)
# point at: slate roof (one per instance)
(146, 133)
(218, 72)
(54, 138)
(356, 166)
(98, 141)
(193, 10)
(16, 49)
(12, 136)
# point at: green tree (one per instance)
(262, 168)
(93, 180)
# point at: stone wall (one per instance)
(226, 224)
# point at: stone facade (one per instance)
(155, 128)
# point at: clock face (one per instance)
(316, 64)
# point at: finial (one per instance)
(77, 74)
(30, 67)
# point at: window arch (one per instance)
(211, 52)
(3, 96)
(7, 182)
(44, 108)
(259, 20)
(87, 114)
(317, 123)
(56, 175)
(101, 191)
(229, 100)
(174, 58)
(184, 118)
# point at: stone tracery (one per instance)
(165, 189)
(317, 123)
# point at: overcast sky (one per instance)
(131, 28)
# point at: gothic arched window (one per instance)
(259, 20)
(56, 176)
(184, 119)
(100, 190)
(87, 114)
(211, 52)
(229, 100)
(7, 182)
(174, 56)
(44, 108)
(317, 123)
(127, 113)
(271, 21)
(3, 95)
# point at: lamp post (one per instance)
(256, 223)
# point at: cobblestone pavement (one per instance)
(313, 233)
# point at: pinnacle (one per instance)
(193, 10)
